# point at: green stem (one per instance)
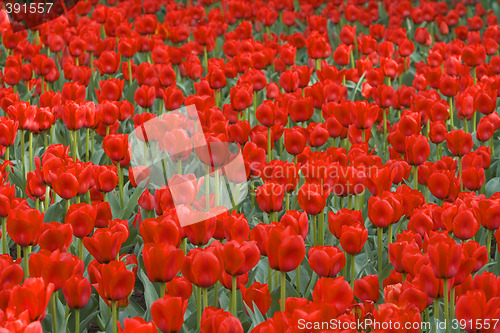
(233, 296)
(216, 293)
(163, 287)
(488, 243)
(205, 298)
(283, 289)
(130, 72)
(270, 277)
(4, 236)
(321, 229)
(474, 122)
(269, 149)
(179, 166)
(415, 177)
(217, 187)
(390, 233)
(446, 305)
(452, 304)
(26, 253)
(77, 320)
(460, 173)
(450, 100)
(492, 147)
(379, 249)
(80, 248)
(75, 144)
(287, 201)
(53, 312)
(114, 310)
(436, 309)
(87, 151)
(207, 186)
(297, 279)
(315, 232)
(18, 249)
(23, 149)
(318, 64)
(205, 59)
(353, 269)
(92, 143)
(120, 182)
(31, 150)
(198, 306)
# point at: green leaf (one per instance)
(255, 316)
(150, 293)
(132, 203)
(56, 212)
(492, 186)
(276, 295)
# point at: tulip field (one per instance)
(249, 166)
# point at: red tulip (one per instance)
(24, 225)
(56, 236)
(168, 313)
(81, 217)
(417, 149)
(366, 288)
(179, 287)
(318, 46)
(295, 140)
(31, 297)
(218, 320)
(77, 291)
(201, 267)
(145, 96)
(300, 110)
(459, 143)
(380, 212)
(137, 324)
(116, 147)
(335, 292)
(172, 258)
(257, 294)
(285, 249)
(239, 258)
(54, 267)
(270, 196)
(353, 238)
(312, 198)
(444, 255)
(326, 261)
(105, 243)
(114, 282)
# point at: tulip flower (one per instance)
(218, 320)
(269, 197)
(257, 295)
(179, 287)
(105, 243)
(32, 297)
(366, 288)
(77, 292)
(202, 268)
(326, 261)
(168, 254)
(285, 251)
(24, 226)
(114, 283)
(312, 199)
(137, 324)
(168, 313)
